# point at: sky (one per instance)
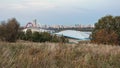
(58, 12)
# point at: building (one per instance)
(75, 36)
(38, 30)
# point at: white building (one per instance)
(73, 34)
(37, 30)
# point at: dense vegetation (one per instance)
(107, 30)
(9, 30)
(41, 37)
(56, 55)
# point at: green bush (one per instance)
(41, 37)
(36, 37)
(28, 35)
(21, 35)
(44, 36)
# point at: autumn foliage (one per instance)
(107, 30)
(9, 30)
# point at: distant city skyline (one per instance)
(58, 12)
(34, 24)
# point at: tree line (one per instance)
(10, 32)
(41, 37)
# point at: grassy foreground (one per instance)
(57, 55)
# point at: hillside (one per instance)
(58, 55)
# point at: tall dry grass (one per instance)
(58, 55)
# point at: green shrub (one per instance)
(41, 37)
(36, 37)
(21, 35)
(28, 35)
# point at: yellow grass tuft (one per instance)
(58, 55)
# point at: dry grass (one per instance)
(58, 55)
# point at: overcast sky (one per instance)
(63, 12)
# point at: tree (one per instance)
(107, 30)
(45, 36)
(36, 37)
(28, 34)
(9, 30)
(21, 35)
(40, 37)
